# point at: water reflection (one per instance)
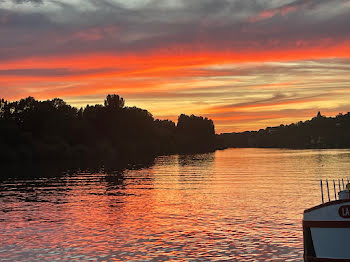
(232, 205)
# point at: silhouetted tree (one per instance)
(114, 102)
(319, 132)
(195, 133)
(52, 129)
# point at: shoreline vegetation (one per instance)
(33, 131)
(318, 133)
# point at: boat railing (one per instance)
(341, 186)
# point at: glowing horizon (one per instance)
(246, 65)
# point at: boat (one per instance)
(326, 227)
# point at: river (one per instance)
(230, 205)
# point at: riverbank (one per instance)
(320, 132)
(51, 130)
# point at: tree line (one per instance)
(319, 132)
(32, 130)
(53, 130)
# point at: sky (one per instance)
(246, 64)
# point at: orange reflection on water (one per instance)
(234, 205)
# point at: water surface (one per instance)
(231, 205)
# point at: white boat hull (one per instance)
(327, 232)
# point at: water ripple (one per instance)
(232, 205)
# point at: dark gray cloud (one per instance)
(63, 28)
(249, 31)
(28, 1)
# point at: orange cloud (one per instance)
(270, 102)
(168, 59)
(152, 73)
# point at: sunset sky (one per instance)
(246, 64)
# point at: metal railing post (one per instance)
(329, 198)
(322, 192)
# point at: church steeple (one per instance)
(319, 114)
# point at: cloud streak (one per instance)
(193, 27)
(197, 55)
